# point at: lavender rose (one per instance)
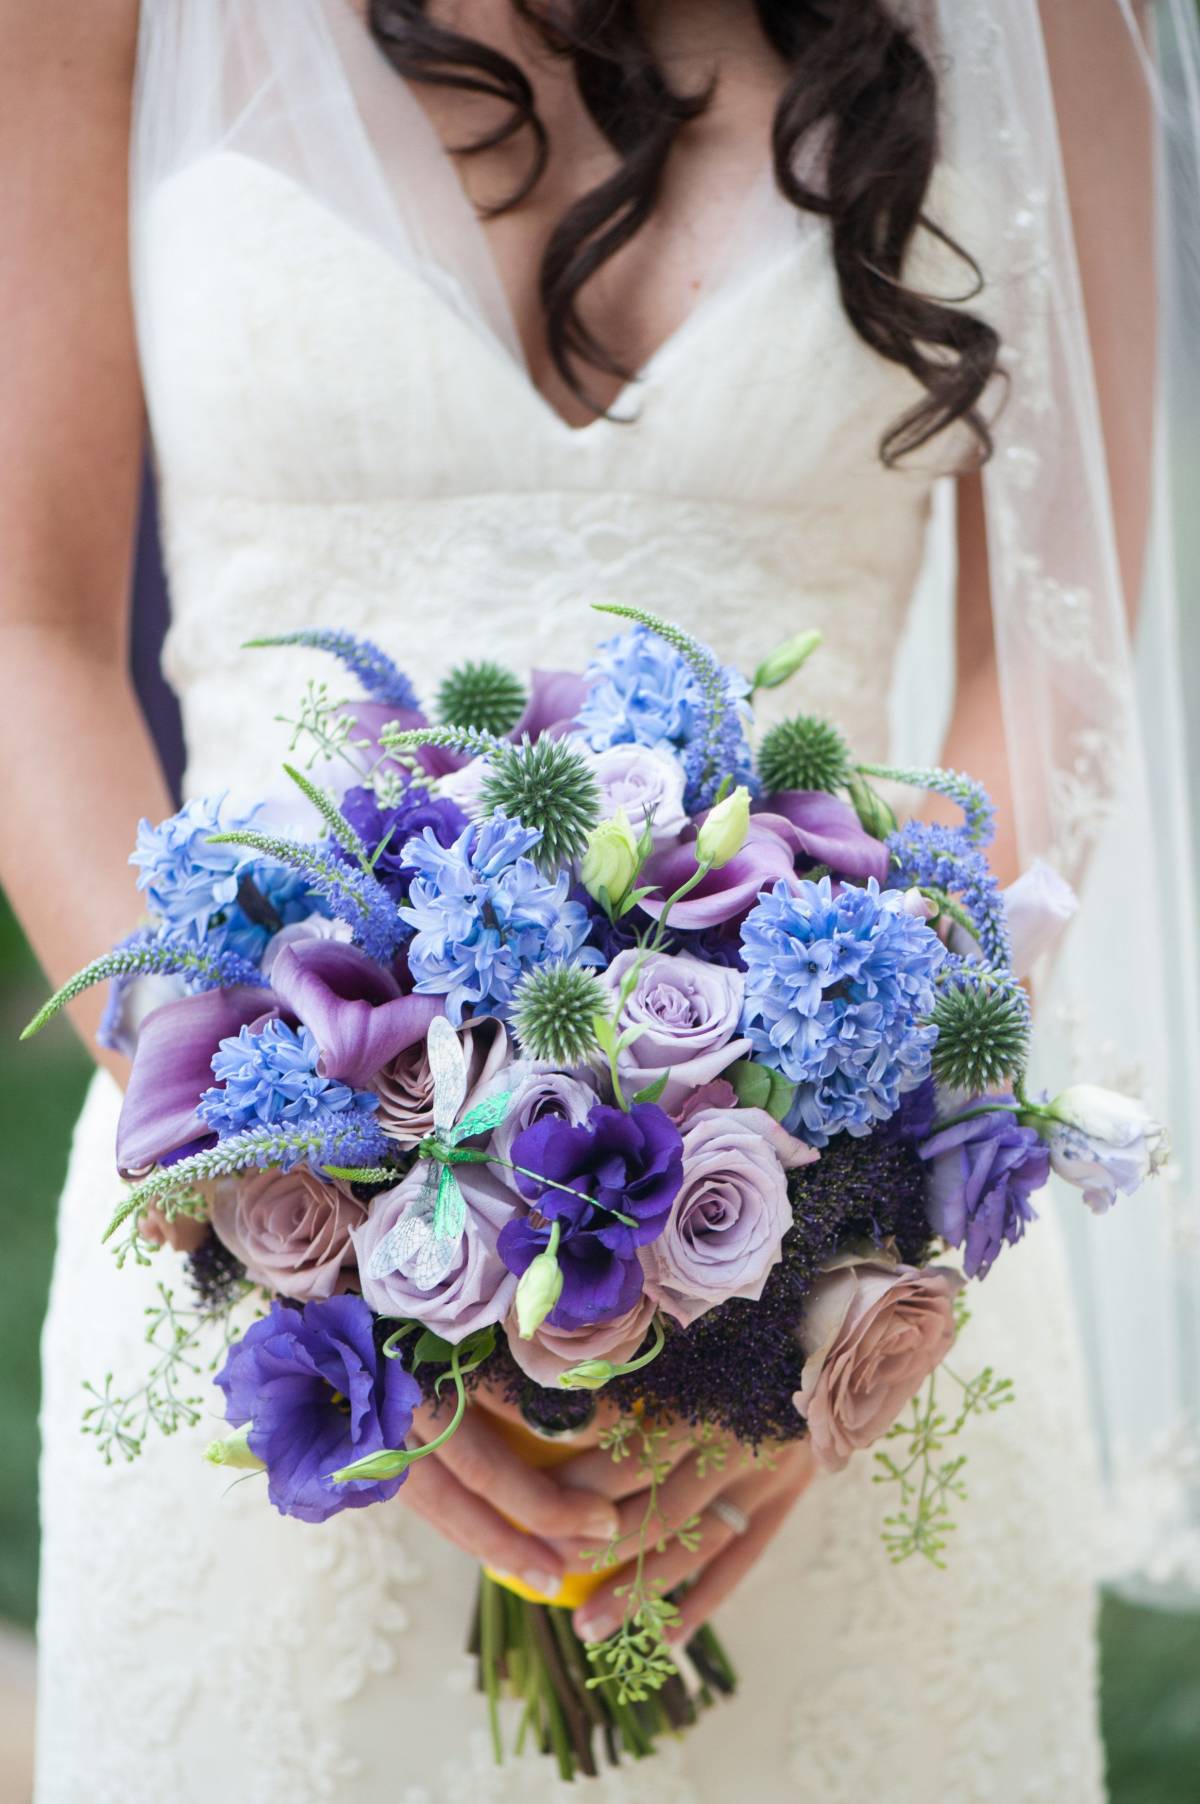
(689, 1012)
(643, 781)
(872, 1333)
(477, 1290)
(405, 1087)
(726, 1226)
(290, 1229)
(553, 1351)
(982, 1174)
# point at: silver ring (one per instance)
(734, 1519)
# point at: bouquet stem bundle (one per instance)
(530, 1652)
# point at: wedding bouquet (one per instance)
(566, 1046)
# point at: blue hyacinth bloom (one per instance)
(269, 1075)
(838, 991)
(192, 886)
(643, 691)
(482, 914)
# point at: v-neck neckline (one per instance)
(735, 255)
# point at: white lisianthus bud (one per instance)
(537, 1293)
(786, 660)
(724, 832)
(610, 862)
(1102, 1143)
(234, 1450)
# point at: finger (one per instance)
(470, 1523)
(684, 1494)
(679, 1560)
(597, 1470)
(483, 1463)
(728, 1569)
(183, 1233)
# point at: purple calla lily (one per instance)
(354, 1008)
(829, 832)
(768, 855)
(172, 1067)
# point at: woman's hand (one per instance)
(475, 1488)
(737, 1507)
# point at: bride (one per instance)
(448, 318)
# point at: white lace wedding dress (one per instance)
(344, 440)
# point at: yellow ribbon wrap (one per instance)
(536, 1450)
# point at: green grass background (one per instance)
(1151, 1662)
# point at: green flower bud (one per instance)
(610, 862)
(724, 832)
(786, 660)
(876, 817)
(591, 1375)
(538, 1292)
(234, 1450)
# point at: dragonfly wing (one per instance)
(450, 1213)
(448, 1064)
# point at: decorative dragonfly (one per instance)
(425, 1242)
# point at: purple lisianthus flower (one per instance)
(828, 831)
(982, 1174)
(318, 1395)
(620, 1174)
(392, 828)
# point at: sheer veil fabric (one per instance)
(1095, 725)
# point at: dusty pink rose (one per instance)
(290, 1230)
(405, 1087)
(553, 1351)
(726, 1226)
(873, 1333)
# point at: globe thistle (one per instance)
(804, 753)
(545, 785)
(483, 695)
(983, 1033)
(553, 1012)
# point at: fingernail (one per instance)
(548, 1583)
(603, 1523)
(596, 1628)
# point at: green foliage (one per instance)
(553, 1012)
(805, 752)
(166, 1400)
(483, 695)
(983, 1033)
(545, 784)
(929, 1482)
(339, 827)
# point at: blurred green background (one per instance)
(1151, 1662)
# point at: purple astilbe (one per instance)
(931, 856)
(380, 678)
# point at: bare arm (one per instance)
(1106, 126)
(78, 764)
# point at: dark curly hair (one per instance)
(859, 79)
